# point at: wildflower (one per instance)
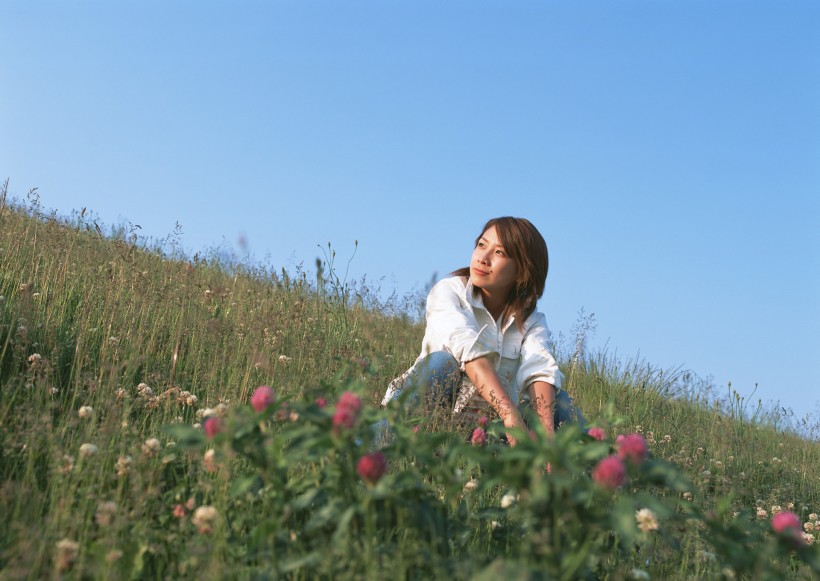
(262, 398)
(204, 519)
(813, 516)
(212, 426)
(718, 464)
(320, 402)
(151, 447)
(120, 394)
(347, 411)
(87, 450)
(114, 340)
(706, 474)
(35, 296)
(707, 556)
(67, 465)
(666, 439)
(639, 575)
(221, 410)
(776, 509)
(761, 512)
(597, 433)
(785, 521)
(700, 451)
(809, 526)
(187, 398)
(123, 465)
(807, 538)
(508, 500)
(106, 511)
(24, 286)
(790, 506)
(610, 472)
(284, 359)
(479, 437)
(632, 448)
(67, 551)
(85, 411)
(294, 416)
(687, 496)
(35, 359)
(371, 467)
(113, 555)
(483, 421)
(209, 461)
(470, 485)
(647, 521)
(776, 460)
(179, 511)
(144, 390)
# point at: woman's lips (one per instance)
(480, 272)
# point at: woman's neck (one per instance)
(493, 304)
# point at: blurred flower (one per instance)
(597, 433)
(813, 516)
(785, 521)
(700, 450)
(204, 519)
(34, 359)
(347, 411)
(610, 472)
(320, 402)
(113, 555)
(212, 426)
(639, 575)
(706, 474)
(776, 460)
(120, 394)
(87, 450)
(284, 359)
(187, 398)
(470, 485)
(123, 465)
(809, 526)
(144, 390)
(262, 398)
(114, 340)
(776, 509)
(479, 437)
(631, 447)
(687, 496)
(508, 500)
(106, 511)
(67, 551)
(483, 421)
(150, 447)
(790, 506)
(209, 461)
(179, 511)
(666, 439)
(807, 538)
(35, 295)
(67, 464)
(647, 521)
(371, 467)
(24, 286)
(761, 512)
(221, 409)
(85, 411)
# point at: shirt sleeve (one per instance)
(452, 325)
(537, 363)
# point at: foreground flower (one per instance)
(262, 398)
(212, 426)
(610, 472)
(67, 551)
(632, 448)
(508, 500)
(647, 521)
(785, 522)
(87, 450)
(204, 519)
(347, 411)
(85, 412)
(597, 433)
(371, 467)
(479, 437)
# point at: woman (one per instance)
(485, 347)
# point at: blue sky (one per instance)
(669, 152)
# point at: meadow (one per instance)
(165, 416)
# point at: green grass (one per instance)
(106, 314)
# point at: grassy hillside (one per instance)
(113, 356)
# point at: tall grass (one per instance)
(110, 341)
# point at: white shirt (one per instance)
(458, 322)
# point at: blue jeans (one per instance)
(437, 377)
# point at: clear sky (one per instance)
(669, 151)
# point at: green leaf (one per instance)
(185, 436)
(246, 484)
(296, 563)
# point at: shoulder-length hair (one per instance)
(525, 245)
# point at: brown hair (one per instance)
(525, 245)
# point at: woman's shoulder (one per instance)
(451, 283)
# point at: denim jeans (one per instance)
(437, 377)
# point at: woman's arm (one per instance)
(542, 395)
(488, 385)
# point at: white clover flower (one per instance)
(204, 518)
(284, 359)
(123, 465)
(790, 506)
(35, 358)
(88, 450)
(809, 526)
(221, 410)
(761, 512)
(776, 509)
(106, 511)
(85, 412)
(209, 461)
(144, 390)
(2, 298)
(813, 516)
(706, 474)
(776, 460)
(647, 520)
(67, 464)
(67, 551)
(470, 485)
(639, 575)
(666, 439)
(24, 286)
(35, 295)
(151, 447)
(508, 500)
(718, 464)
(808, 538)
(687, 496)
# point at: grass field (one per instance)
(130, 446)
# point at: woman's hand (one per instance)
(488, 385)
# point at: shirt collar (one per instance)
(474, 299)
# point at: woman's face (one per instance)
(491, 269)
